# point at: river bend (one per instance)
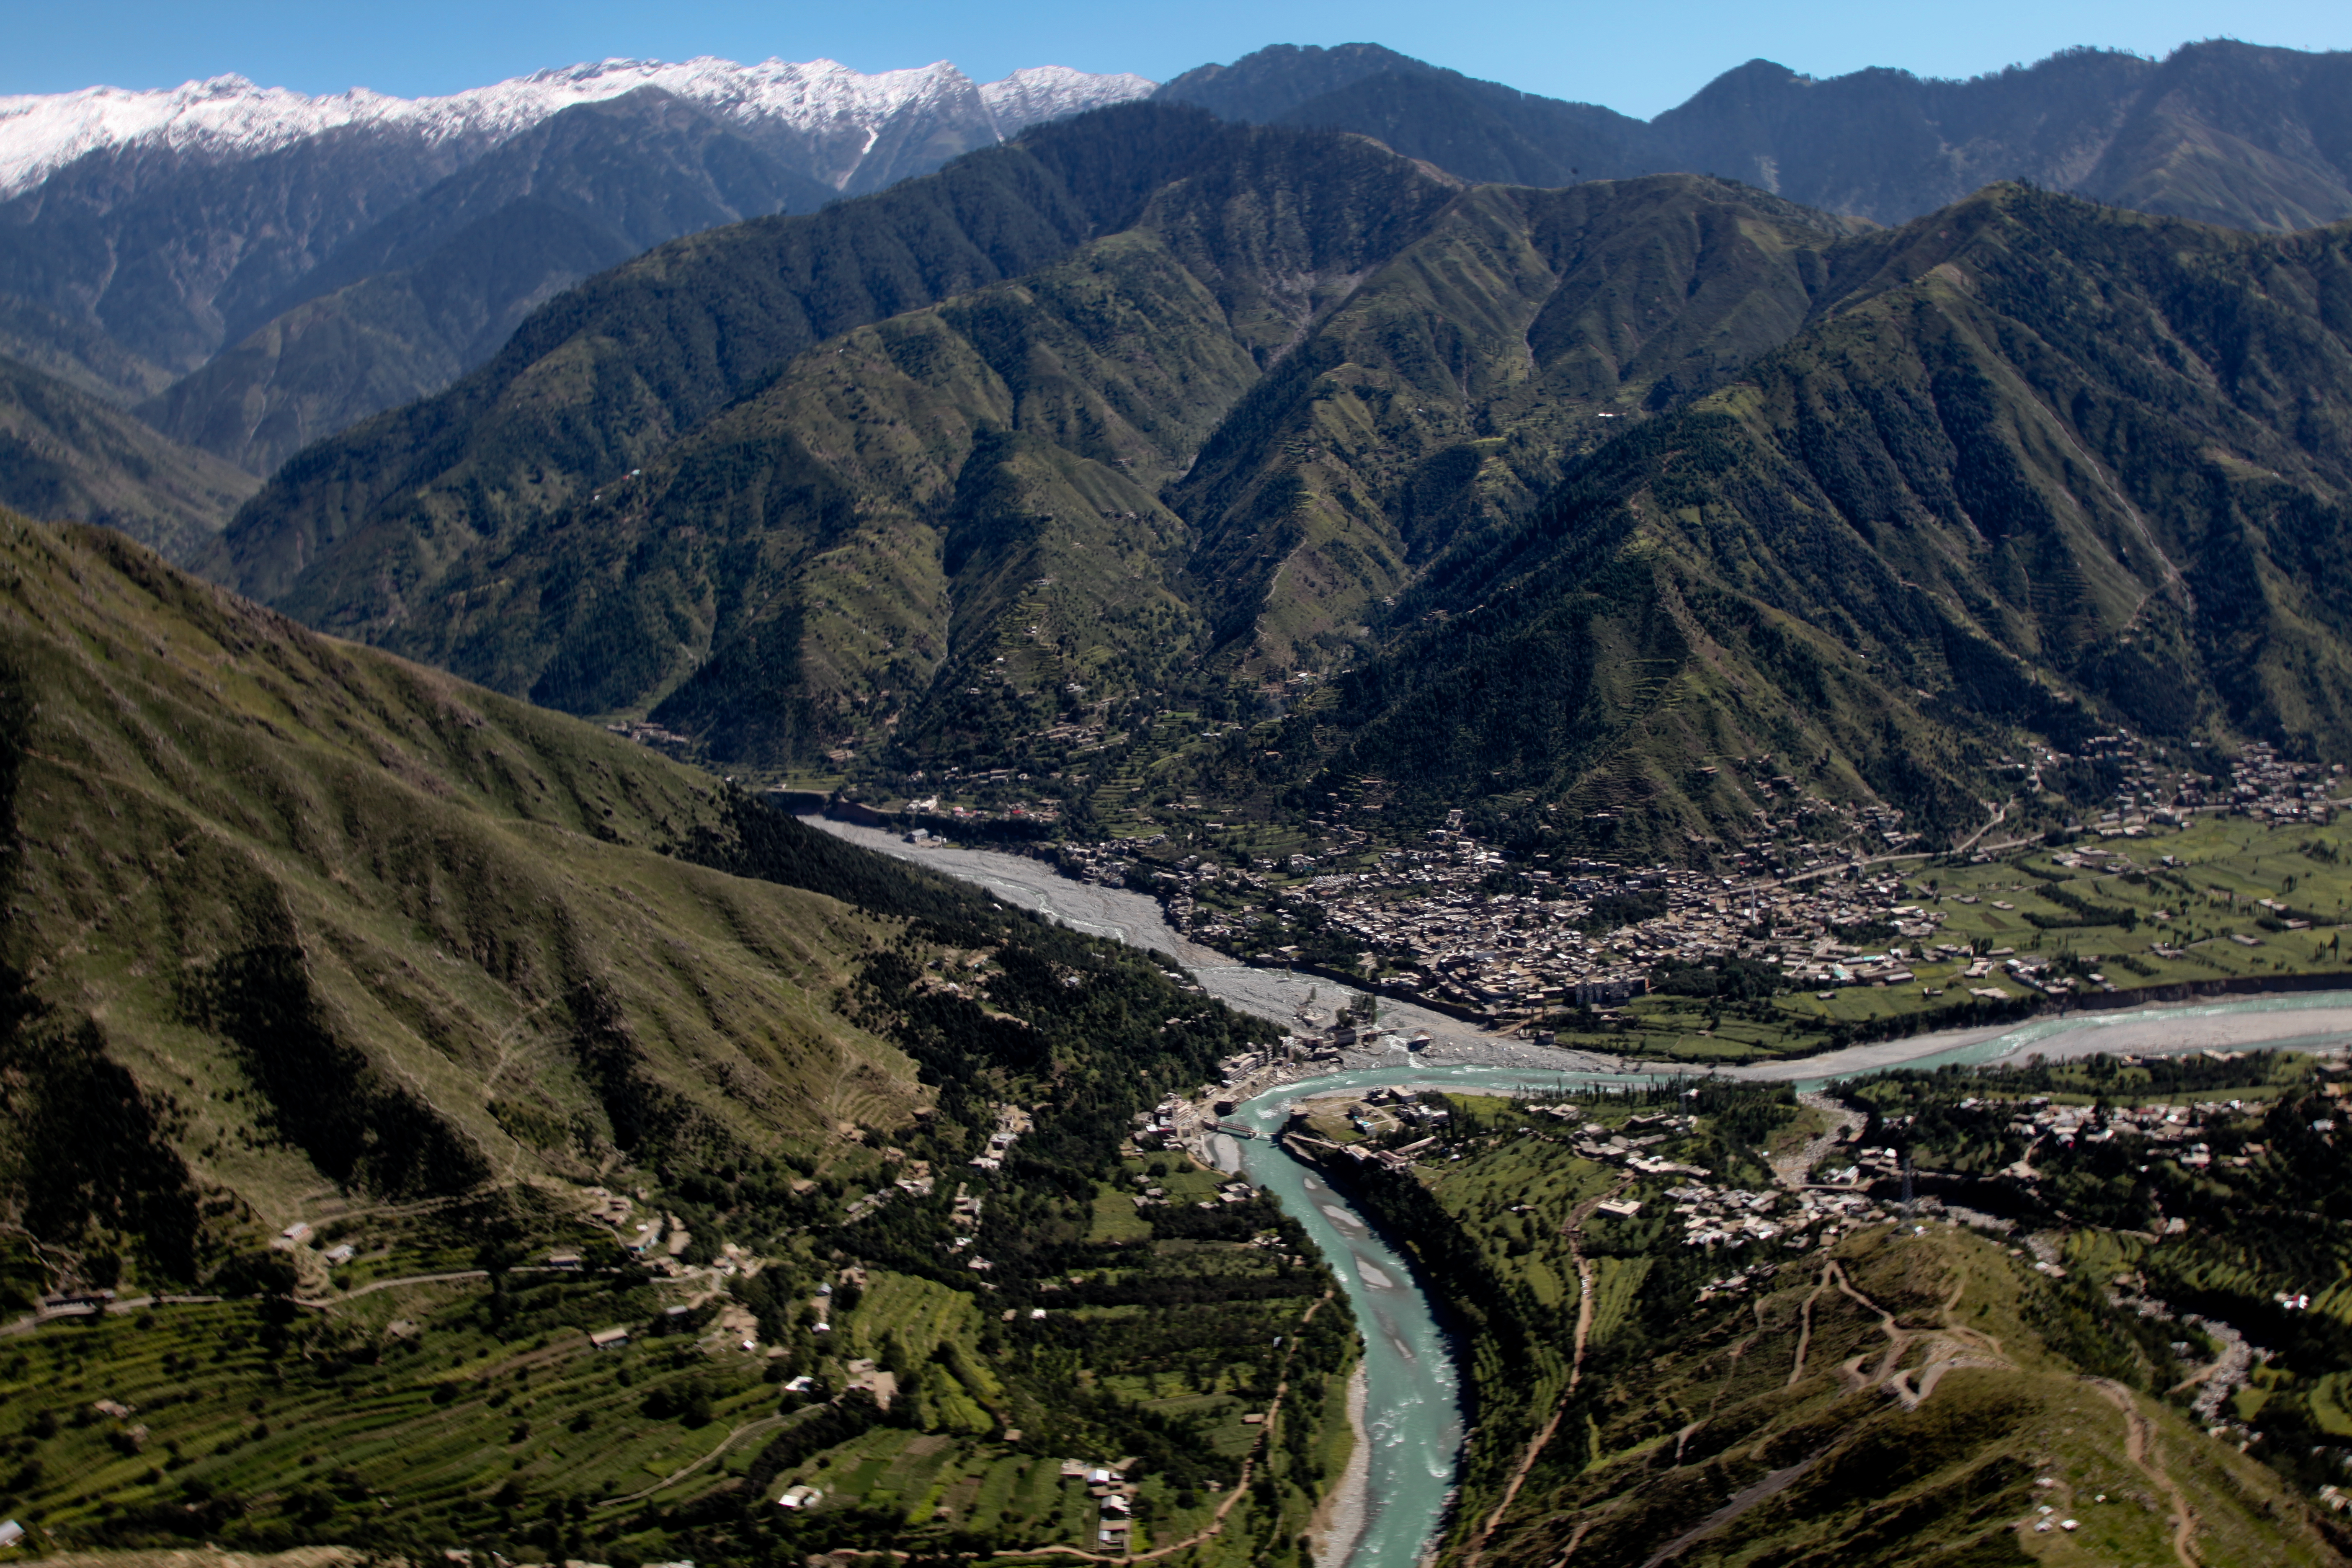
(1413, 1414)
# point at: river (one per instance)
(1413, 1390)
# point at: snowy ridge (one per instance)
(229, 118)
(1041, 93)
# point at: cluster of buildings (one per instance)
(2175, 1127)
(1629, 1145)
(1012, 1122)
(1588, 934)
(1106, 1485)
(1113, 1500)
(660, 1240)
(1582, 935)
(1308, 1044)
(2263, 784)
(2154, 788)
(1386, 1111)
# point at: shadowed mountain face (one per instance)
(67, 455)
(409, 305)
(2222, 132)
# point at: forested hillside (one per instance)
(2041, 467)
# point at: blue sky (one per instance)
(1637, 57)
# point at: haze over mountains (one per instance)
(2222, 132)
(225, 219)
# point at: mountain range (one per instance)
(1321, 434)
(1578, 490)
(221, 228)
(2220, 131)
(1186, 396)
(252, 269)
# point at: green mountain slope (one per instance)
(1447, 392)
(337, 921)
(2044, 466)
(1587, 488)
(822, 567)
(300, 887)
(66, 456)
(837, 522)
(612, 370)
(1483, 131)
(300, 934)
(406, 307)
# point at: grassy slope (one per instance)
(66, 456)
(252, 844)
(429, 1415)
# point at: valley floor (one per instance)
(2250, 1024)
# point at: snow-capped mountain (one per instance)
(229, 117)
(216, 231)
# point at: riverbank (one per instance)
(1339, 1522)
(2277, 1022)
(1274, 993)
